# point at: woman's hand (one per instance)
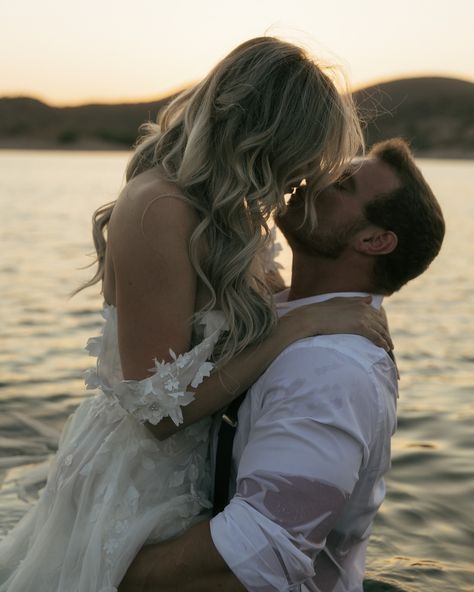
(338, 315)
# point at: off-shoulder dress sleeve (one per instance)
(165, 391)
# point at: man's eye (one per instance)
(345, 183)
(340, 184)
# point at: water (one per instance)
(424, 534)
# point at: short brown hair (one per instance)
(411, 212)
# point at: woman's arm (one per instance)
(155, 288)
(155, 283)
(338, 315)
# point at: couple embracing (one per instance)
(193, 324)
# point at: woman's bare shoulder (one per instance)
(150, 203)
(154, 282)
(152, 180)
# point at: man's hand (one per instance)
(189, 563)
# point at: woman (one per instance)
(183, 283)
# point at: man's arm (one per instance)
(189, 563)
(295, 475)
(316, 419)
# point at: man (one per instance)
(313, 439)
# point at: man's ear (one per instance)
(376, 241)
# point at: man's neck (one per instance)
(311, 276)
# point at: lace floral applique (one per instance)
(165, 392)
(118, 527)
(270, 253)
(91, 379)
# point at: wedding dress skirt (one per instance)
(112, 486)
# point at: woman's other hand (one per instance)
(353, 315)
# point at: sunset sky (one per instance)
(68, 52)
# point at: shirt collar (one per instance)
(283, 305)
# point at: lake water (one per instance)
(424, 534)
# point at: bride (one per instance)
(188, 317)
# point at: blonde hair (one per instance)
(265, 118)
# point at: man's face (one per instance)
(339, 209)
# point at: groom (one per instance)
(313, 439)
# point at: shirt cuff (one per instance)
(258, 551)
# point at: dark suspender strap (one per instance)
(225, 443)
(394, 360)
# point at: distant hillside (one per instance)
(436, 115)
(29, 123)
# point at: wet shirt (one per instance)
(311, 448)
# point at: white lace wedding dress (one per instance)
(112, 487)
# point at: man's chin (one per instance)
(294, 236)
(283, 223)
(289, 221)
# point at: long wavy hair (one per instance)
(265, 118)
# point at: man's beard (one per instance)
(320, 242)
(330, 245)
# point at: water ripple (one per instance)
(423, 536)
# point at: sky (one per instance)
(73, 52)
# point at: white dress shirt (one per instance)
(311, 448)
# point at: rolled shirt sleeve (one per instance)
(306, 446)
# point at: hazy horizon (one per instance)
(164, 95)
(65, 54)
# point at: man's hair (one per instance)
(411, 212)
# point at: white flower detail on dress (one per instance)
(91, 379)
(121, 526)
(203, 371)
(165, 392)
(176, 479)
(270, 253)
(93, 346)
(111, 545)
(172, 384)
(181, 360)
